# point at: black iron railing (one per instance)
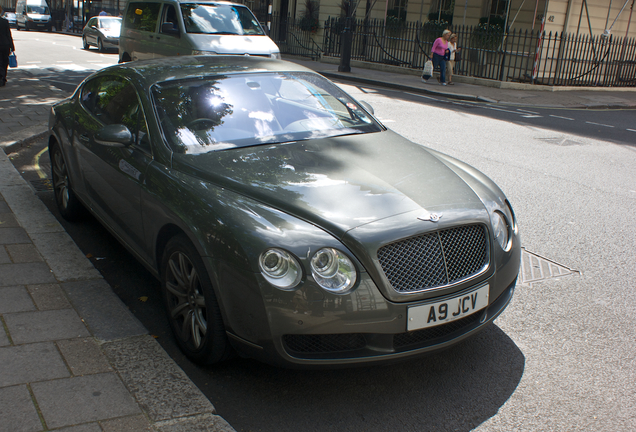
(487, 51)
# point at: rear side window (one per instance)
(142, 16)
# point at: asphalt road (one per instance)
(561, 357)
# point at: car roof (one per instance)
(193, 67)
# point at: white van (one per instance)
(33, 14)
(159, 28)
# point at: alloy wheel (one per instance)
(186, 302)
(60, 179)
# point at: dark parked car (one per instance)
(102, 32)
(11, 17)
(282, 219)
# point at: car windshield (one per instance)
(222, 112)
(219, 19)
(110, 23)
(42, 10)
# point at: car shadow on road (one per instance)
(455, 390)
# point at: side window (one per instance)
(142, 16)
(92, 23)
(89, 95)
(170, 15)
(116, 102)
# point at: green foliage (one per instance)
(487, 36)
(431, 30)
(399, 14)
(446, 17)
(307, 23)
(309, 19)
(394, 25)
(494, 21)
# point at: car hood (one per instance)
(111, 33)
(234, 44)
(339, 183)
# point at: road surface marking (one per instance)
(559, 117)
(599, 124)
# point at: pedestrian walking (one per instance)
(439, 51)
(6, 48)
(453, 55)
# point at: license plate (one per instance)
(434, 314)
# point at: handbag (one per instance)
(13, 60)
(427, 72)
(458, 55)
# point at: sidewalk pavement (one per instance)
(73, 357)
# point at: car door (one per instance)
(91, 30)
(113, 174)
(171, 42)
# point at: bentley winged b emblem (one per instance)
(433, 217)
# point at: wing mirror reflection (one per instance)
(367, 107)
(116, 135)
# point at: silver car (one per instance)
(11, 17)
(102, 32)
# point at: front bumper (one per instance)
(311, 328)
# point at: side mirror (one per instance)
(116, 135)
(168, 28)
(367, 107)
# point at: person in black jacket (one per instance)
(6, 47)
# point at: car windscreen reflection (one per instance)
(219, 113)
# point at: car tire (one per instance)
(85, 43)
(68, 205)
(192, 308)
(100, 45)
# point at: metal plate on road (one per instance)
(430, 315)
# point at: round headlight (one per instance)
(501, 230)
(280, 268)
(333, 270)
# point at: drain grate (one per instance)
(42, 185)
(535, 268)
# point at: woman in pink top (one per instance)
(440, 46)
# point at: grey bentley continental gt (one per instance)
(284, 221)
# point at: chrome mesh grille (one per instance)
(435, 259)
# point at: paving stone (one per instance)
(13, 236)
(84, 357)
(30, 363)
(8, 220)
(23, 253)
(25, 274)
(199, 423)
(4, 255)
(40, 326)
(4, 339)
(72, 401)
(161, 387)
(48, 297)
(17, 411)
(137, 423)
(66, 260)
(33, 215)
(15, 299)
(103, 312)
(88, 427)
